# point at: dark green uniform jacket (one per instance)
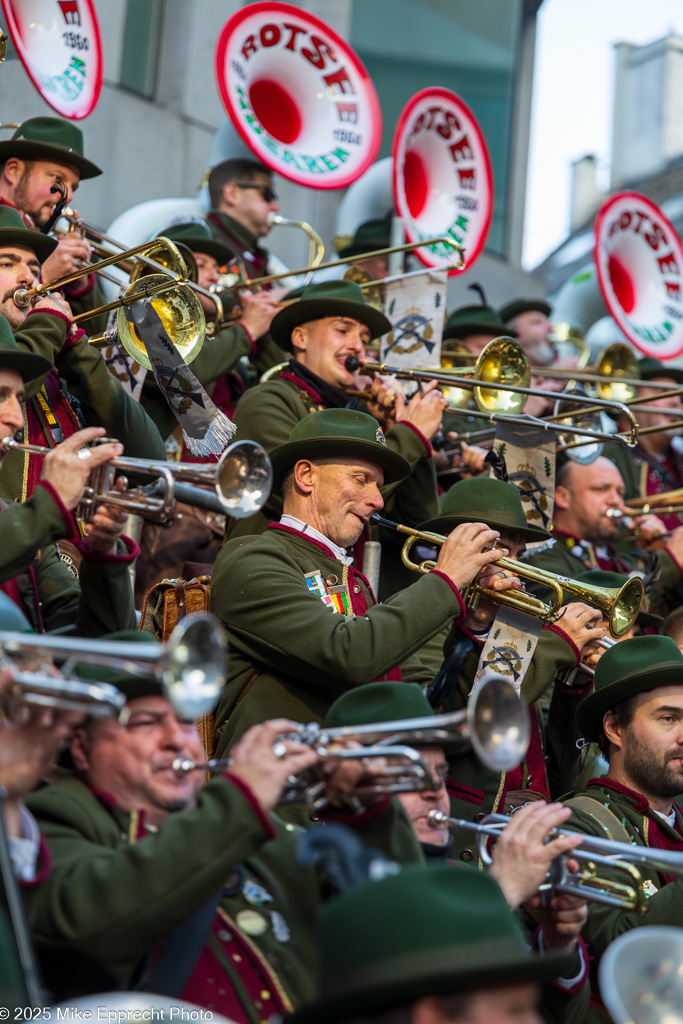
(54, 595)
(550, 767)
(291, 654)
(568, 556)
(218, 356)
(102, 399)
(642, 827)
(241, 243)
(116, 889)
(268, 414)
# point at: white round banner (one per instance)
(58, 42)
(639, 262)
(298, 95)
(443, 182)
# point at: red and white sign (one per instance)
(443, 182)
(298, 95)
(59, 44)
(639, 261)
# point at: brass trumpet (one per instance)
(191, 666)
(592, 851)
(620, 605)
(179, 308)
(241, 481)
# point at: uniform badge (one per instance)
(251, 922)
(379, 436)
(649, 887)
(255, 894)
(280, 927)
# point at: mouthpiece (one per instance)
(436, 818)
(21, 298)
(8, 443)
(275, 218)
(351, 363)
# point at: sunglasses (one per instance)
(269, 194)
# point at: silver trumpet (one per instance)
(592, 852)
(191, 666)
(241, 482)
(99, 700)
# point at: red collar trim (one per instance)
(304, 536)
(639, 801)
(286, 375)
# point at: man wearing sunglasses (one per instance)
(242, 198)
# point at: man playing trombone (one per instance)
(242, 200)
(94, 396)
(635, 714)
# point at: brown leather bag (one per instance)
(165, 604)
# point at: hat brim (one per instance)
(28, 364)
(496, 520)
(451, 974)
(211, 246)
(591, 710)
(395, 467)
(514, 309)
(29, 238)
(465, 330)
(28, 149)
(305, 310)
(364, 248)
(666, 371)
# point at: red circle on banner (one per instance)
(639, 262)
(298, 95)
(59, 44)
(442, 177)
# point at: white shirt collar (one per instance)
(310, 531)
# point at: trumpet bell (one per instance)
(194, 666)
(499, 728)
(245, 479)
(180, 312)
(641, 976)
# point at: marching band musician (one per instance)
(370, 236)
(330, 322)
(302, 622)
(142, 855)
(78, 389)
(585, 537)
(528, 319)
(635, 714)
(242, 199)
(655, 465)
(32, 573)
(550, 767)
(42, 153)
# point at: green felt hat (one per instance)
(13, 231)
(328, 298)
(649, 368)
(484, 500)
(630, 667)
(196, 235)
(513, 309)
(342, 432)
(142, 683)
(369, 236)
(384, 702)
(49, 138)
(28, 364)
(476, 320)
(604, 578)
(430, 930)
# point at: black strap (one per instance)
(449, 673)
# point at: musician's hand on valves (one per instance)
(345, 776)
(257, 312)
(425, 410)
(522, 856)
(264, 761)
(67, 467)
(477, 619)
(72, 253)
(466, 551)
(106, 525)
(52, 301)
(473, 458)
(562, 919)
(581, 623)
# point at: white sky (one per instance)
(571, 111)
